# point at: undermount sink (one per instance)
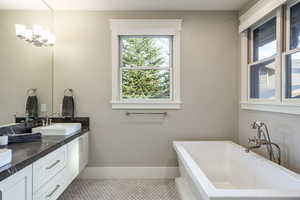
(58, 129)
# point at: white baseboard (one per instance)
(129, 173)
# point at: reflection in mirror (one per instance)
(25, 68)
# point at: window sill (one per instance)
(120, 105)
(293, 109)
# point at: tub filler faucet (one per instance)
(263, 139)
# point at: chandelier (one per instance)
(38, 36)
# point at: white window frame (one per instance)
(144, 27)
(277, 58)
(289, 51)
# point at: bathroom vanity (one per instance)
(43, 170)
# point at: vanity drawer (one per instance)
(48, 166)
(54, 187)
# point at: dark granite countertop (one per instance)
(24, 154)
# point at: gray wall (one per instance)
(22, 65)
(209, 86)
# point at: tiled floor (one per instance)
(121, 190)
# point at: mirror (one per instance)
(25, 67)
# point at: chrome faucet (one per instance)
(263, 139)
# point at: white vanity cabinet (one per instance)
(78, 152)
(73, 159)
(48, 177)
(17, 186)
(62, 167)
(83, 151)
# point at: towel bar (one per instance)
(146, 113)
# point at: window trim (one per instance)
(144, 27)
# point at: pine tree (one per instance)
(144, 83)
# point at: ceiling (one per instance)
(22, 5)
(125, 4)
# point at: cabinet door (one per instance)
(17, 186)
(73, 159)
(83, 151)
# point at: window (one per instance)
(264, 40)
(271, 70)
(262, 67)
(295, 26)
(263, 80)
(146, 64)
(292, 55)
(293, 76)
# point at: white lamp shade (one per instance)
(45, 36)
(20, 30)
(51, 40)
(28, 35)
(37, 30)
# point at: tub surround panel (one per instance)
(284, 130)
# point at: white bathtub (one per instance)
(222, 170)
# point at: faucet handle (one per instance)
(56, 114)
(43, 122)
(252, 140)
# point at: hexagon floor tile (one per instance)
(121, 190)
